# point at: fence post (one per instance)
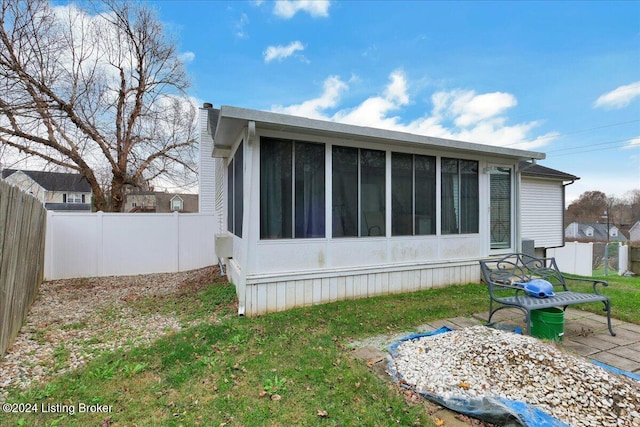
(176, 215)
(100, 244)
(623, 259)
(48, 246)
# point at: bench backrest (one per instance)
(521, 268)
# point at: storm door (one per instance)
(500, 208)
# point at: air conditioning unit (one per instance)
(224, 245)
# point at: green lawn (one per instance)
(290, 368)
(624, 293)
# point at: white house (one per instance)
(634, 232)
(58, 191)
(312, 211)
(542, 200)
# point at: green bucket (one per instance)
(547, 323)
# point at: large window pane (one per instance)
(401, 194)
(345, 191)
(500, 202)
(230, 202)
(450, 196)
(469, 203)
(276, 210)
(372, 192)
(425, 195)
(460, 203)
(309, 178)
(413, 192)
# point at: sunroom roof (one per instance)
(232, 120)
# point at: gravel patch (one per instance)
(482, 362)
(74, 320)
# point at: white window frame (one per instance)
(74, 198)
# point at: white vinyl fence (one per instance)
(578, 258)
(110, 244)
(574, 258)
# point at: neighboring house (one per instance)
(311, 211)
(634, 232)
(56, 190)
(542, 201)
(594, 232)
(159, 202)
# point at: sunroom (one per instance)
(312, 211)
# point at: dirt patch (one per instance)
(74, 320)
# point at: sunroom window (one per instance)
(413, 195)
(358, 192)
(459, 198)
(235, 205)
(292, 189)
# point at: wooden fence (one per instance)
(22, 239)
(634, 259)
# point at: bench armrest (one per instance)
(594, 283)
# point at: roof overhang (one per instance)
(542, 172)
(233, 120)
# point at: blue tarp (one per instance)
(616, 370)
(495, 410)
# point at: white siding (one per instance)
(206, 169)
(541, 210)
(28, 185)
(283, 293)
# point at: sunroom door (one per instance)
(501, 208)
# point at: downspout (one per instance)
(564, 201)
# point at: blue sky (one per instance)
(557, 77)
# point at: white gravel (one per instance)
(74, 320)
(481, 362)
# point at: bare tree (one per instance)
(589, 208)
(100, 92)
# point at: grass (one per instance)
(624, 293)
(290, 368)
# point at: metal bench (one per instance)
(504, 277)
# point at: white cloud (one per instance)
(240, 27)
(282, 52)
(187, 57)
(332, 89)
(374, 111)
(456, 114)
(288, 8)
(481, 107)
(633, 143)
(620, 97)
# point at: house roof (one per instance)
(538, 171)
(232, 120)
(55, 181)
(600, 232)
